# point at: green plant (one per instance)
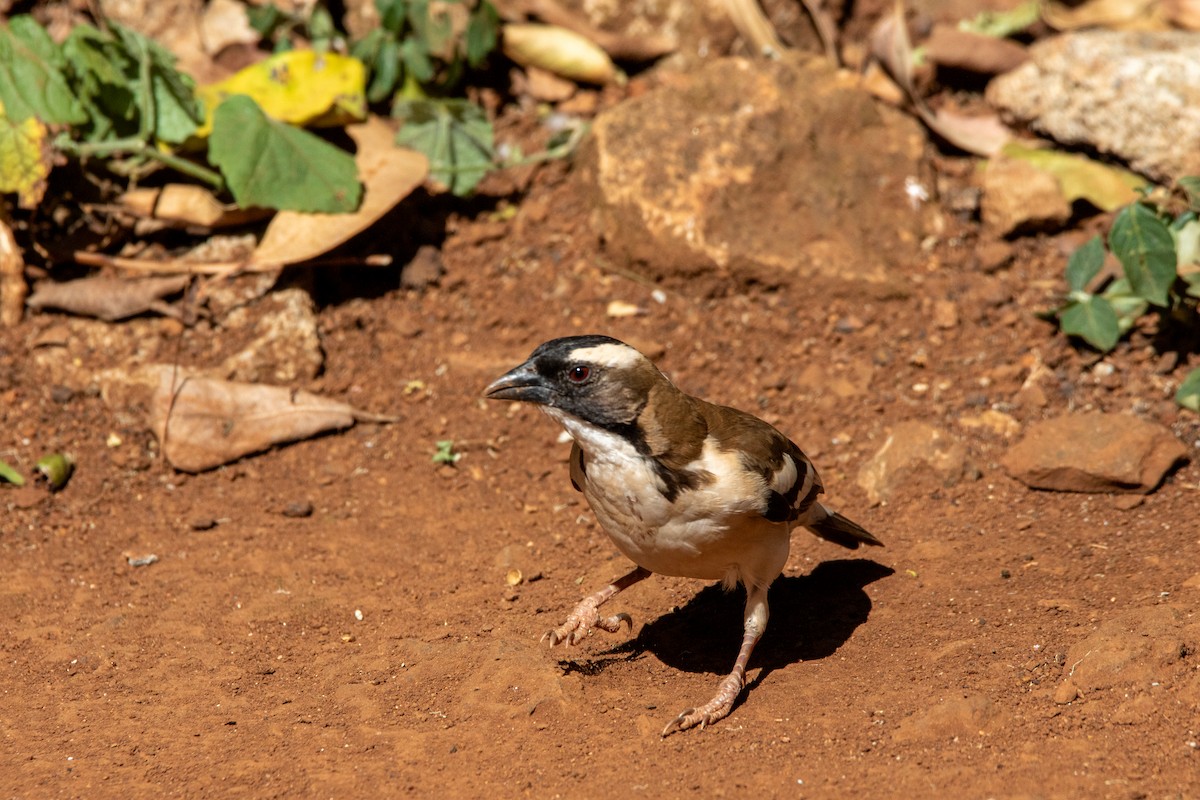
(112, 95)
(444, 454)
(1159, 252)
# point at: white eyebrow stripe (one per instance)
(608, 355)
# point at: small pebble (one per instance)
(1065, 693)
(61, 394)
(298, 510)
(142, 561)
(202, 524)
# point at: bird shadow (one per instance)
(811, 617)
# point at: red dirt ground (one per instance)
(236, 665)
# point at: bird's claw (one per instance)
(580, 623)
(715, 709)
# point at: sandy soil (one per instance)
(237, 665)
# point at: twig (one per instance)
(826, 30)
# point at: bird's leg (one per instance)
(731, 686)
(585, 616)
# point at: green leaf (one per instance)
(1003, 23)
(31, 82)
(265, 19)
(454, 135)
(416, 59)
(177, 113)
(386, 70)
(9, 474)
(1188, 395)
(274, 165)
(1128, 306)
(1094, 321)
(1187, 241)
(392, 14)
(482, 30)
(1143, 244)
(1191, 187)
(1084, 264)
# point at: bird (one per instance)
(682, 487)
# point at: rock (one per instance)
(1094, 452)
(959, 717)
(911, 446)
(1134, 648)
(285, 347)
(995, 421)
(768, 172)
(1020, 198)
(1066, 692)
(1135, 95)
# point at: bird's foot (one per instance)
(582, 620)
(715, 709)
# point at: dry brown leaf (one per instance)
(109, 299)
(1116, 14)
(187, 204)
(1183, 13)
(754, 26)
(12, 278)
(202, 423)
(982, 134)
(389, 174)
(225, 23)
(987, 55)
(619, 46)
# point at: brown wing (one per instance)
(791, 481)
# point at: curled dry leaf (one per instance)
(754, 26)
(981, 134)
(948, 46)
(187, 204)
(388, 173)
(1115, 14)
(558, 50)
(619, 46)
(12, 278)
(110, 299)
(202, 423)
(1183, 13)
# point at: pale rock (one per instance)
(285, 346)
(1094, 452)
(1136, 647)
(766, 172)
(963, 718)
(1019, 198)
(1131, 94)
(911, 446)
(1066, 692)
(992, 420)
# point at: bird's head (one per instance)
(595, 379)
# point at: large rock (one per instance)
(766, 171)
(1094, 452)
(1135, 95)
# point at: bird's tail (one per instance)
(832, 526)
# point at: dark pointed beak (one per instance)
(523, 383)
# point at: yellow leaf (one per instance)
(25, 159)
(1080, 178)
(300, 87)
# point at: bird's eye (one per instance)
(578, 373)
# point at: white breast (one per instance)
(714, 532)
